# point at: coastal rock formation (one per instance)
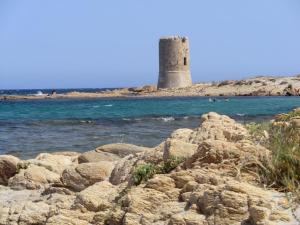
(254, 86)
(215, 183)
(121, 149)
(110, 152)
(34, 177)
(97, 156)
(86, 174)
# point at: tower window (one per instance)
(184, 61)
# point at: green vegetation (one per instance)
(259, 131)
(170, 164)
(144, 172)
(287, 117)
(23, 165)
(282, 169)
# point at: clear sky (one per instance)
(94, 43)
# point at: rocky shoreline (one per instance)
(214, 183)
(256, 86)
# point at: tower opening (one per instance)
(184, 61)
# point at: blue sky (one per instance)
(92, 43)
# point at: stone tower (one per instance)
(174, 62)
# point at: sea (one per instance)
(29, 127)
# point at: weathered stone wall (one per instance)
(174, 62)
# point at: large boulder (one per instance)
(218, 127)
(8, 167)
(182, 134)
(121, 149)
(34, 177)
(86, 174)
(178, 149)
(56, 163)
(97, 156)
(98, 197)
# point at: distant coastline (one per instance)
(256, 86)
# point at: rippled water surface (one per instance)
(29, 127)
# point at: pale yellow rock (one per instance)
(98, 197)
(86, 174)
(53, 162)
(121, 149)
(34, 177)
(178, 149)
(95, 172)
(97, 156)
(182, 134)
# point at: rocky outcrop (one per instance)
(179, 149)
(97, 156)
(34, 177)
(53, 162)
(86, 174)
(98, 197)
(121, 149)
(215, 184)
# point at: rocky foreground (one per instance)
(256, 86)
(215, 184)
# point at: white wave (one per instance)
(39, 93)
(240, 114)
(167, 119)
(96, 106)
(126, 119)
(109, 105)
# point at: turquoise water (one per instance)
(30, 127)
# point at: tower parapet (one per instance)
(174, 62)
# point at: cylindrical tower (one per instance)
(174, 62)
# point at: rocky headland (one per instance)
(256, 86)
(205, 176)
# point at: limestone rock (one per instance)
(188, 217)
(121, 149)
(97, 197)
(123, 170)
(86, 174)
(182, 134)
(34, 177)
(97, 156)
(217, 127)
(179, 149)
(8, 167)
(53, 162)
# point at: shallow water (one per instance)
(29, 127)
